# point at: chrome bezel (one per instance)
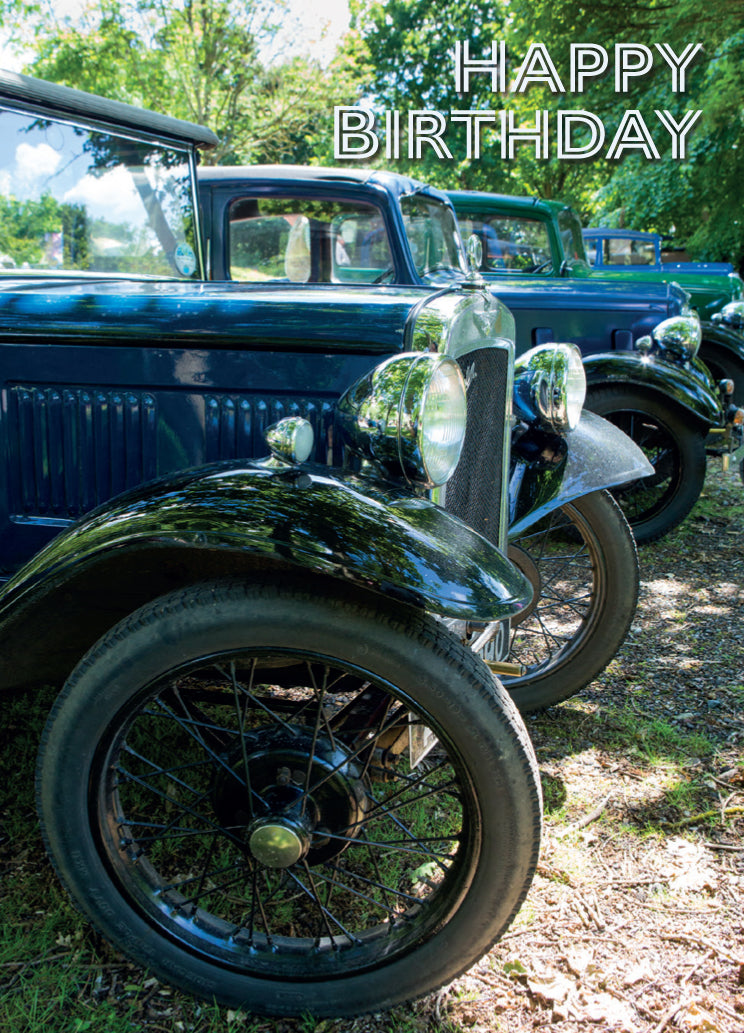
(732, 315)
(541, 386)
(679, 336)
(382, 416)
(291, 439)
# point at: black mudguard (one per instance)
(593, 456)
(681, 385)
(724, 337)
(240, 519)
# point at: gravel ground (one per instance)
(635, 921)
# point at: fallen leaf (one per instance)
(578, 960)
(612, 1013)
(637, 973)
(695, 1017)
(555, 989)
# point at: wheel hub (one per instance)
(306, 798)
(277, 842)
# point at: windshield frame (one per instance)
(567, 221)
(174, 144)
(435, 273)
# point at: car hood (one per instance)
(581, 294)
(178, 312)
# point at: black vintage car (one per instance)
(638, 341)
(275, 775)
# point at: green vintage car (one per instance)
(531, 236)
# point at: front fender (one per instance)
(724, 337)
(233, 519)
(597, 455)
(679, 384)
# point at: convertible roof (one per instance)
(62, 100)
(328, 176)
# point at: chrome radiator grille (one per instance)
(475, 492)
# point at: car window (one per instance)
(511, 243)
(590, 247)
(619, 251)
(73, 199)
(572, 238)
(433, 238)
(301, 240)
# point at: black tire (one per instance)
(222, 792)
(583, 566)
(724, 366)
(672, 443)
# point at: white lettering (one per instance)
(537, 67)
(473, 121)
(678, 130)
(511, 135)
(427, 127)
(587, 60)
(631, 59)
(679, 64)
(632, 134)
(567, 122)
(353, 133)
(465, 66)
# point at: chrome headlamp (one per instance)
(550, 386)
(732, 315)
(408, 416)
(679, 335)
(291, 440)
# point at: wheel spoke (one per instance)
(183, 808)
(229, 757)
(329, 919)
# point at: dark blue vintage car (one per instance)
(256, 530)
(282, 224)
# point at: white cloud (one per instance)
(111, 196)
(34, 162)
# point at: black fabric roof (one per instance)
(66, 101)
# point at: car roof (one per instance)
(511, 200)
(607, 231)
(390, 181)
(63, 100)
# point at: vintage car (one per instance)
(259, 531)
(556, 233)
(609, 248)
(277, 224)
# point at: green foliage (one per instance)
(198, 60)
(202, 60)
(407, 47)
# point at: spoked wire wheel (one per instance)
(582, 563)
(280, 819)
(674, 446)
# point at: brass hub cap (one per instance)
(277, 842)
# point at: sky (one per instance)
(308, 32)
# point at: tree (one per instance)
(697, 198)
(200, 60)
(407, 46)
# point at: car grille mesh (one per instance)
(474, 492)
